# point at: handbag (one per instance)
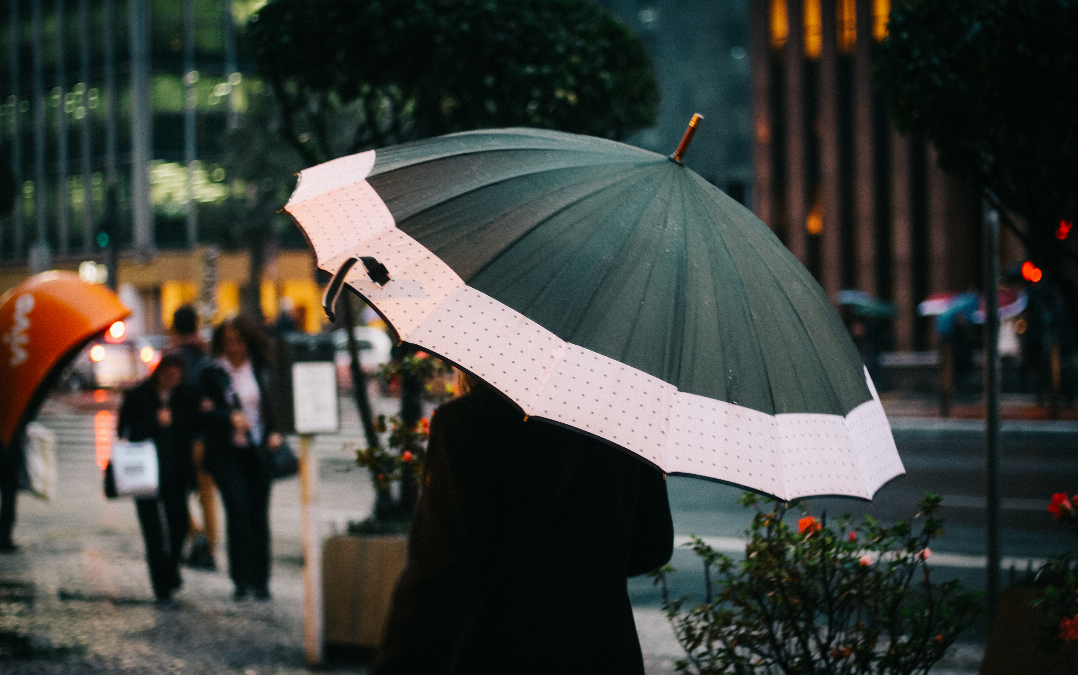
(41, 460)
(132, 470)
(282, 462)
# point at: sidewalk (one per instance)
(76, 597)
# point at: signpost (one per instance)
(311, 378)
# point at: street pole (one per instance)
(991, 395)
(312, 551)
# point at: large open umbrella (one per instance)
(610, 289)
(44, 322)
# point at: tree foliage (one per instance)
(991, 83)
(355, 74)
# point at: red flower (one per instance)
(865, 561)
(853, 536)
(407, 456)
(808, 524)
(939, 638)
(421, 355)
(924, 554)
(1068, 629)
(1060, 505)
(424, 424)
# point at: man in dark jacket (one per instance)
(522, 541)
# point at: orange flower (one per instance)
(939, 638)
(809, 524)
(865, 561)
(1060, 505)
(1068, 629)
(924, 554)
(424, 424)
(853, 536)
(407, 456)
(421, 355)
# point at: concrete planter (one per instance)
(359, 574)
(1012, 639)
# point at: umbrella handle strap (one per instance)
(375, 270)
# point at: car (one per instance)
(115, 361)
(374, 352)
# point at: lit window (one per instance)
(847, 25)
(881, 13)
(780, 23)
(813, 29)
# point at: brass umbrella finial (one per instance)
(683, 146)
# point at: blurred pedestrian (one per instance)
(239, 430)
(158, 409)
(523, 538)
(189, 345)
(11, 467)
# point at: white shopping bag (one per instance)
(134, 468)
(41, 460)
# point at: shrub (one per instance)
(815, 599)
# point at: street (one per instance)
(90, 605)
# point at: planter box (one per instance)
(359, 574)
(1012, 639)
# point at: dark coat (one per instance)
(522, 541)
(216, 385)
(137, 421)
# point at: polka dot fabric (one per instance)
(509, 351)
(725, 441)
(597, 394)
(419, 281)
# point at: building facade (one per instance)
(113, 114)
(863, 206)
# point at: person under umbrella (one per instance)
(158, 409)
(522, 541)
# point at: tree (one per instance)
(991, 83)
(350, 75)
(261, 170)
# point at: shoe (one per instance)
(262, 594)
(240, 594)
(201, 555)
(8, 547)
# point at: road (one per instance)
(944, 457)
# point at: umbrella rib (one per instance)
(586, 311)
(785, 296)
(747, 308)
(509, 245)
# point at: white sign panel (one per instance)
(314, 397)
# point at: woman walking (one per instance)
(239, 430)
(159, 409)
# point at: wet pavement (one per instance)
(76, 597)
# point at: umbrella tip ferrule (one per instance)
(683, 146)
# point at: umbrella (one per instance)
(949, 307)
(610, 289)
(864, 305)
(44, 322)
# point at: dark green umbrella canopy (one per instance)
(624, 252)
(618, 251)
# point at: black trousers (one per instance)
(244, 483)
(164, 526)
(9, 490)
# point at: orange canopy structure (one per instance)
(44, 322)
